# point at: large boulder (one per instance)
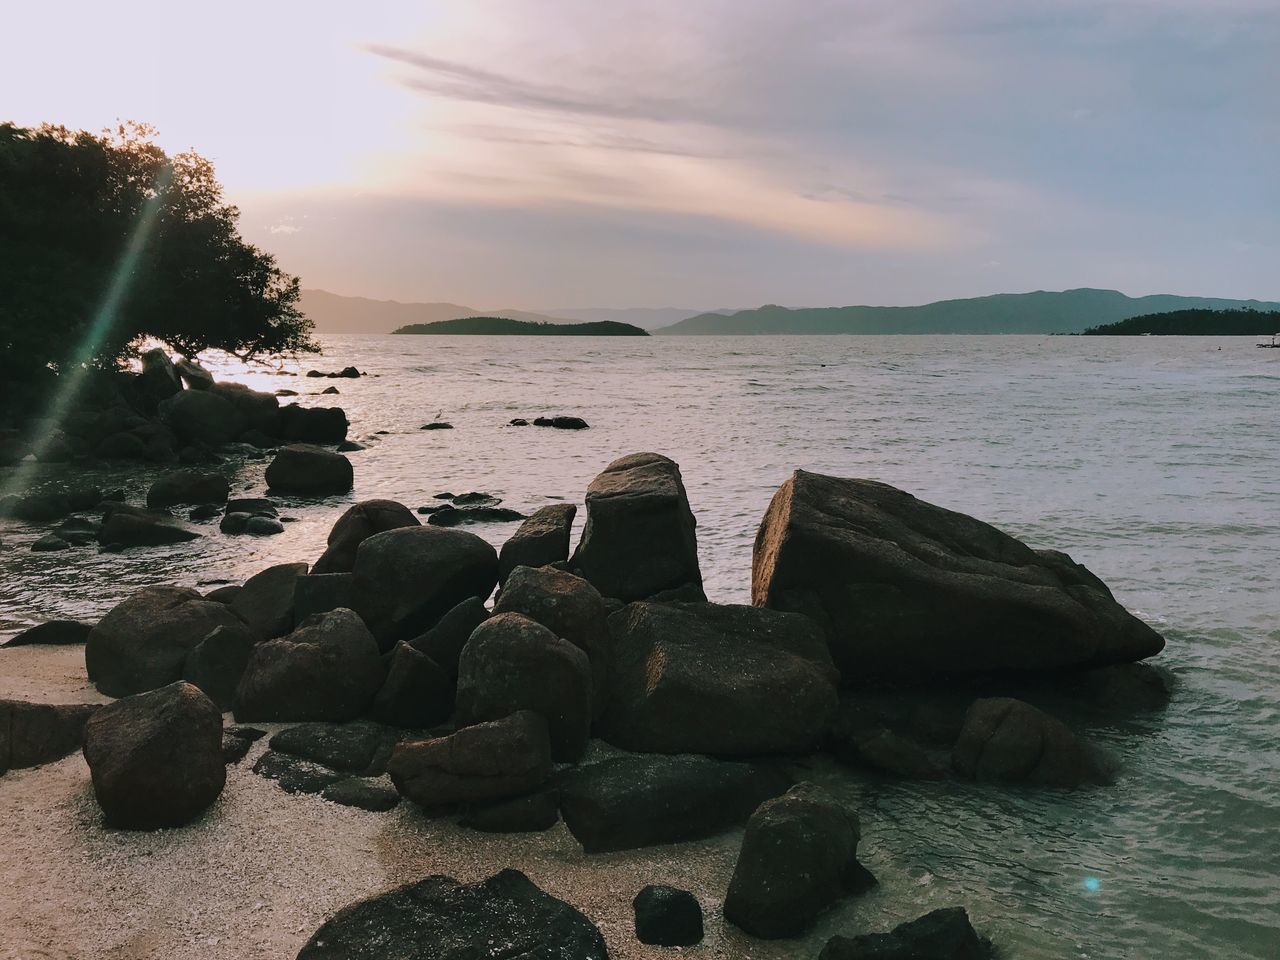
(143, 641)
(266, 600)
(158, 380)
(418, 692)
(327, 669)
(261, 411)
(1007, 740)
(640, 537)
(408, 578)
(944, 934)
(540, 540)
(156, 758)
(641, 800)
(203, 416)
(126, 526)
(438, 918)
(322, 592)
(217, 663)
(906, 590)
(722, 680)
(312, 424)
(36, 733)
(798, 857)
(476, 765)
(306, 471)
(356, 526)
(443, 643)
(512, 663)
(193, 375)
(568, 606)
(188, 486)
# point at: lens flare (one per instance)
(1091, 884)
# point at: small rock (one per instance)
(540, 540)
(561, 423)
(519, 422)
(49, 543)
(54, 632)
(205, 511)
(329, 390)
(350, 446)
(372, 795)
(531, 813)
(457, 516)
(436, 425)
(357, 747)
(943, 934)
(667, 917)
(263, 526)
(294, 774)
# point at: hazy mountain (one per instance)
(505, 326)
(336, 314)
(1071, 311)
(649, 318)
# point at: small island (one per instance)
(1193, 323)
(505, 327)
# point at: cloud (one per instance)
(285, 228)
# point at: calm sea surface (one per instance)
(1154, 461)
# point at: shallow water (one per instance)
(1152, 460)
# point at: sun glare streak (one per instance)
(72, 380)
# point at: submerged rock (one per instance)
(156, 758)
(640, 536)
(436, 425)
(907, 590)
(540, 540)
(943, 934)
(438, 918)
(798, 857)
(448, 516)
(126, 526)
(1008, 740)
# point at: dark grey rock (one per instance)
(263, 526)
(943, 934)
(217, 663)
(436, 425)
(266, 600)
(49, 543)
(312, 424)
(540, 540)
(53, 632)
(357, 525)
(126, 526)
(296, 775)
(449, 516)
(357, 747)
(417, 693)
(322, 592)
(561, 423)
(188, 486)
(667, 917)
(443, 643)
(36, 733)
(1008, 740)
(308, 471)
(532, 813)
(372, 795)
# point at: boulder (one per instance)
(438, 918)
(188, 486)
(193, 375)
(480, 764)
(569, 607)
(363, 793)
(406, 579)
(322, 592)
(307, 471)
(798, 857)
(358, 747)
(450, 516)
(882, 750)
(640, 535)
(418, 692)
(38, 507)
(263, 526)
(49, 543)
(512, 663)
(943, 934)
(143, 642)
(724, 680)
(1008, 740)
(642, 800)
(54, 632)
(224, 594)
(532, 813)
(253, 506)
(327, 669)
(1122, 688)
(357, 525)
(295, 774)
(266, 600)
(234, 522)
(203, 416)
(261, 411)
(312, 424)
(156, 758)
(36, 733)
(443, 643)
(158, 380)
(561, 423)
(126, 526)
(667, 917)
(906, 590)
(236, 741)
(436, 425)
(540, 540)
(217, 663)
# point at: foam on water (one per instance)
(1151, 460)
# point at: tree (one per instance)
(84, 216)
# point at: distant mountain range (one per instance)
(1068, 311)
(1071, 311)
(505, 327)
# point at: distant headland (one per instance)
(1194, 323)
(504, 326)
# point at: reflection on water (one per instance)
(1153, 461)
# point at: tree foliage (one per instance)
(71, 202)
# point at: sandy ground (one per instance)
(262, 869)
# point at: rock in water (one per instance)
(798, 857)
(512, 663)
(438, 918)
(36, 733)
(540, 540)
(156, 758)
(265, 602)
(721, 680)
(188, 486)
(407, 579)
(907, 590)
(667, 917)
(569, 607)
(307, 471)
(203, 416)
(641, 800)
(356, 526)
(327, 669)
(943, 934)
(142, 643)
(640, 536)
(126, 526)
(1008, 740)
(313, 424)
(480, 764)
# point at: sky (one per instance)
(704, 153)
